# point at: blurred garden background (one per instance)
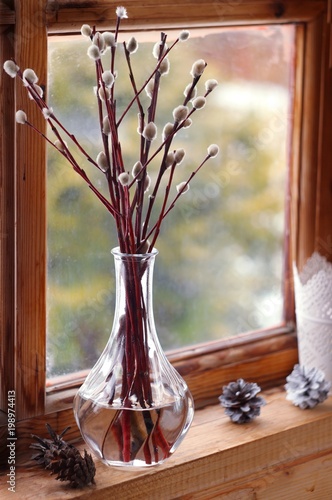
(220, 263)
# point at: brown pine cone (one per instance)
(70, 466)
(64, 459)
(46, 447)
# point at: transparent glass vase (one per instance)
(134, 408)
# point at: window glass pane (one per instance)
(219, 270)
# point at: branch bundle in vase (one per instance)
(127, 383)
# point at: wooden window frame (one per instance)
(265, 356)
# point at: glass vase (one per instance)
(134, 408)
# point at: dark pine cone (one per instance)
(69, 465)
(241, 401)
(47, 447)
(306, 387)
(64, 459)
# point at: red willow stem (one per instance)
(75, 166)
(175, 199)
(153, 106)
(160, 219)
(141, 382)
(139, 192)
(147, 81)
(166, 143)
(151, 118)
(126, 435)
(42, 105)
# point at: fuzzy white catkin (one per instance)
(104, 95)
(10, 68)
(149, 88)
(164, 66)
(156, 50)
(147, 183)
(136, 170)
(93, 52)
(180, 113)
(121, 12)
(182, 188)
(179, 155)
(109, 39)
(102, 161)
(108, 78)
(140, 124)
(168, 129)
(132, 45)
(187, 123)
(124, 178)
(106, 126)
(213, 150)
(199, 102)
(184, 35)
(86, 30)
(169, 160)
(150, 131)
(47, 112)
(99, 41)
(187, 90)
(210, 85)
(37, 89)
(20, 117)
(29, 76)
(198, 68)
(60, 146)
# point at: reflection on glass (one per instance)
(219, 270)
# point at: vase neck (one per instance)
(134, 282)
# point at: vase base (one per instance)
(133, 438)
(131, 466)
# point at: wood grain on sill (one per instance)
(285, 453)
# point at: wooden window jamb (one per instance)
(7, 219)
(23, 203)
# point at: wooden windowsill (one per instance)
(284, 453)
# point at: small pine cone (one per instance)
(241, 401)
(64, 459)
(47, 447)
(69, 465)
(306, 387)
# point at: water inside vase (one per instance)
(133, 436)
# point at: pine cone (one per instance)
(69, 465)
(64, 459)
(306, 387)
(47, 447)
(241, 401)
